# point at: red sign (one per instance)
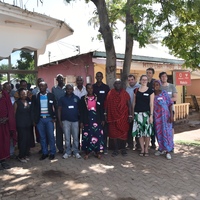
(183, 78)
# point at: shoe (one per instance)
(23, 160)
(158, 153)
(105, 151)
(65, 156)
(43, 156)
(153, 146)
(5, 165)
(60, 151)
(168, 156)
(77, 155)
(114, 153)
(51, 157)
(27, 158)
(141, 154)
(146, 154)
(124, 153)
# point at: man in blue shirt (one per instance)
(68, 118)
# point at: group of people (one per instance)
(142, 111)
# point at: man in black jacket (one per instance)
(44, 116)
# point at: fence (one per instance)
(181, 111)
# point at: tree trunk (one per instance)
(107, 35)
(128, 48)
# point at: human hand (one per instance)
(151, 119)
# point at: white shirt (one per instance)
(80, 93)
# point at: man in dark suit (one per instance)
(44, 115)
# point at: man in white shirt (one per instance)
(79, 89)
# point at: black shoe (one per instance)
(123, 152)
(51, 157)
(5, 165)
(43, 156)
(60, 151)
(153, 146)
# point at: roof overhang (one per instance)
(22, 29)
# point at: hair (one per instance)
(131, 75)
(151, 69)
(17, 85)
(20, 90)
(88, 84)
(79, 77)
(99, 73)
(6, 83)
(22, 81)
(142, 76)
(162, 73)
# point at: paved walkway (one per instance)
(120, 178)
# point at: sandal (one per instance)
(114, 153)
(146, 154)
(141, 154)
(86, 157)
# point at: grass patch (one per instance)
(188, 143)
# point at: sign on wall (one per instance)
(182, 78)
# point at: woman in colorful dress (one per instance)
(91, 122)
(163, 118)
(143, 115)
(24, 124)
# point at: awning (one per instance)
(22, 29)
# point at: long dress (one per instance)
(24, 127)
(92, 132)
(163, 128)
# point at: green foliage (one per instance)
(181, 20)
(26, 62)
(3, 67)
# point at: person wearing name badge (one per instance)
(163, 118)
(171, 90)
(22, 108)
(68, 117)
(101, 90)
(91, 122)
(143, 115)
(44, 108)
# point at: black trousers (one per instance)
(24, 140)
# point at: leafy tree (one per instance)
(3, 67)
(180, 20)
(138, 17)
(26, 62)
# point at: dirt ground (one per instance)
(192, 123)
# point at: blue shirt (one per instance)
(58, 92)
(69, 108)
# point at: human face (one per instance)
(143, 80)
(118, 85)
(23, 85)
(149, 74)
(163, 78)
(60, 79)
(39, 81)
(7, 87)
(89, 89)
(99, 77)
(23, 94)
(43, 87)
(131, 81)
(156, 86)
(79, 82)
(69, 90)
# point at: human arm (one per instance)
(151, 108)
(130, 116)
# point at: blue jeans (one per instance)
(46, 131)
(71, 128)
